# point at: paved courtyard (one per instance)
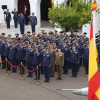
(12, 88)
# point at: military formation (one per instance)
(52, 53)
(22, 19)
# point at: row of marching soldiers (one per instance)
(50, 52)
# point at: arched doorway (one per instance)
(21, 4)
(45, 4)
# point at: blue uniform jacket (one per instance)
(36, 59)
(46, 59)
(28, 56)
(21, 54)
(12, 53)
(74, 56)
(7, 50)
(15, 17)
(2, 48)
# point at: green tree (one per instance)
(71, 16)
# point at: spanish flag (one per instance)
(94, 81)
(94, 5)
(52, 1)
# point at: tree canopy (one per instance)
(73, 15)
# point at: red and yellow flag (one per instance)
(52, 1)
(94, 5)
(94, 81)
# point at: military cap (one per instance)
(17, 34)
(36, 48)
(48, 41)
(61, 31)
(56, 31)
(50, 32)
(51, 45)
(28, 32)
(85, 33)
(9, 34)
(76, 31)
(2, 33)
(45, 33)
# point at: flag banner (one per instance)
(94, 5)
(94, 81)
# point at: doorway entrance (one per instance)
(45, 4)
(21, 4)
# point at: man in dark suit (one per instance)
(7, 18)
(33, 21)
(26, 14)
(15, 17)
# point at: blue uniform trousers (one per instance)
(29, 67)
(47, 73)
(22, 29)
(74, 69)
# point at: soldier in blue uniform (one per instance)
(21, 55)
(15, 17)
(6, 52)
(74, 60)
(28, 60)
(12, 56)
(33, 21)
(21, 20)
(36, 62)
(2, 49)
(8, 18)
(46, 62)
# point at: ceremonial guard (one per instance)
(47, 62)
(86, 57)
(36, 61)
(52, 67)
(21, 20)
(15, 17)
(74, 60)
(33, 21)
(28, 60)
(8, 18)
(2, 49)
(12, 56)
(59, 62)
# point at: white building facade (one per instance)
(35, 6)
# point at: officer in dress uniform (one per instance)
(12, 56)
(47, 62)
(52, 67)
(2, 49)
(21, 55)
(15, 17)
(21, 20)
(28, 60)
(36, 61)
(59, 62)
(86, 57)
(33, 21)
(74, 60)
(8, 18)
(6, 52)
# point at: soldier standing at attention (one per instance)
(21, 21)
(74, 59)
(15, 17)
(33, 21)
(52, 67)
(59, 62)
(46, 62)
(8, 18)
